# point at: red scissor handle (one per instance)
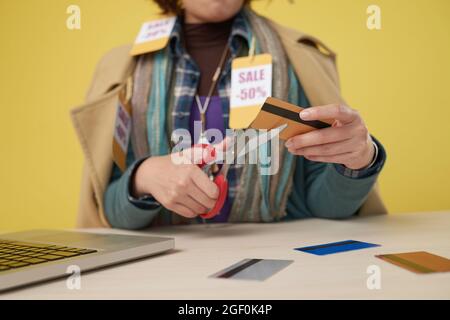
(220, 181)
(222, 184)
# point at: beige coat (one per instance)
(313, 63)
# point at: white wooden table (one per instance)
(200, 252)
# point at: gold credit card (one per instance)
(418, 262)
(275, 113)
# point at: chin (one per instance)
(218, 15)
(218, 11)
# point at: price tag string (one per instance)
(202, 108)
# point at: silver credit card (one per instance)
(252, 269)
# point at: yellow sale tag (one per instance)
(154, 35)
(251, 84)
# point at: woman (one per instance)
(328, 173)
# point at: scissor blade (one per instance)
(259, 140)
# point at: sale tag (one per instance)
(154, 35)
(251, 84)
(122, 127)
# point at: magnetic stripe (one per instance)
(294, 116)
(239, 268)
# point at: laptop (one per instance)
(38, 255)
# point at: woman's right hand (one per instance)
(182, 188)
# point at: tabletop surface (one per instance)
(203, 250)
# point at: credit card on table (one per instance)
(336, 247)
(418, 262)
(275, 113)
(252, 269)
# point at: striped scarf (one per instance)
(152, 110)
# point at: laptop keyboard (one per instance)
(14, 254)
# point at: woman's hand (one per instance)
(346, 142)
(182, 188)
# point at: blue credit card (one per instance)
(336, 247)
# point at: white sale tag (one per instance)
(251, 84)
(154, 35)
(154, 30)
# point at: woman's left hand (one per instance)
(347, 141)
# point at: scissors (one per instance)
(219, 177)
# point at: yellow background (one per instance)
(399, 78)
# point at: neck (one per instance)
(204, 35)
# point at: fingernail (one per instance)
(288, 144)
(305, 114)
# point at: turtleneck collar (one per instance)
(203, 35)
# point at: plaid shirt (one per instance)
(187, 77)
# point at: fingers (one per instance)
(183, 210)
(201, 180)
(199, 154)
(183, 195)
(195, 155)
(331, 111)
(327, 149)
(346, 142)
(201, 197)
(192, 204)
(317, 137)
